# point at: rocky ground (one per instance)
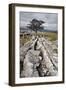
(39, 58)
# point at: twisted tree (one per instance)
(35, 24)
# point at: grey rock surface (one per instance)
(39, 58)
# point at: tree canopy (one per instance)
(35, 24)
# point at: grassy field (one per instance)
(52, 36)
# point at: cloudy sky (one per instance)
(50, 19)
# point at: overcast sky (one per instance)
(50, 19)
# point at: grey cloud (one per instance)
(51, 19)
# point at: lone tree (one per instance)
(35, 24)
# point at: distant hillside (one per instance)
(26, 29)
(45, 30)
